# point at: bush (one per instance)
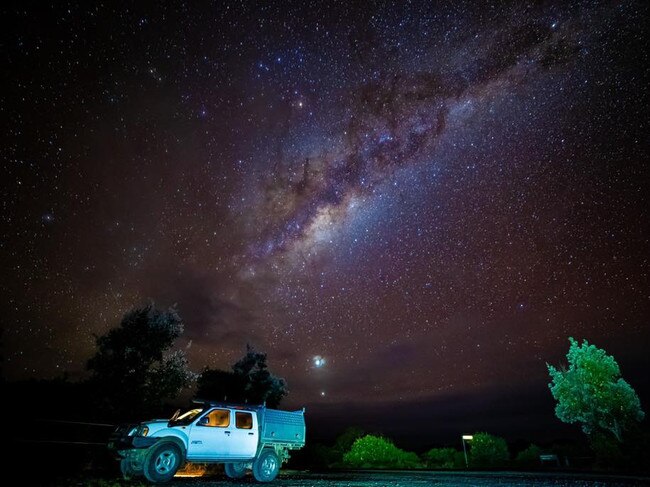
(346, 439)
(528, 457)
(488, 451)
(377, 452)
(444, 458)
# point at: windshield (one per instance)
(186, 417)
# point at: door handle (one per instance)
(227, 432)
(251, 434)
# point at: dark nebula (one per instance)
(412, 203)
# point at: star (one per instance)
(318, 361)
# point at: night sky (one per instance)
(403, 204)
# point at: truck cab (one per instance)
(223, 433)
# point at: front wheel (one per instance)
(162, 462)
(235, 470)
(266, 466)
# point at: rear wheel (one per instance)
(235, 470)
(162, 462)
(266, 466)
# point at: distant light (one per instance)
(468, 437)
(322, 393)
(318, 361)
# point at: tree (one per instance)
(488, 451)
(249, 382)
(592, 392)
(133, 370)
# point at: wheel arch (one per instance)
(176, 441)
(280, 450)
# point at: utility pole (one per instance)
(464, 439)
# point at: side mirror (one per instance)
(204, 421)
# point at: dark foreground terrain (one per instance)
(415, 479)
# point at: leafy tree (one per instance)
(133, 371)
(249, 382)
(444, 458)
(592, 392)
(488, 451)
(260, 384)
(378, 452)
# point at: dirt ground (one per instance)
(418, 479)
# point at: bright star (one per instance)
(318, 361)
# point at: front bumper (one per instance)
(120, 440)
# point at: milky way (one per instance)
(397, 119)
(434, 197)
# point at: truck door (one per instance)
(244, 435)
(210, 436)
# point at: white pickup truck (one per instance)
(241, 437)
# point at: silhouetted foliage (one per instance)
(316, 455)
(250, 382)
(529, 457)
(2, 358)
(488, 451)
(592, 392)
(133, 371)
(345, 440)
(379, 452)
(447, 458)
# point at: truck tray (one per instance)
(283, 426)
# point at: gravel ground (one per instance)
(418, 479)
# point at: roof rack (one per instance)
(211, 403)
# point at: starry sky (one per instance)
(410, 203)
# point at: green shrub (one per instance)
(346, 439)
(377, 452)
(528, 457)
(444, 458)
(488, 451)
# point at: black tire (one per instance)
(235, 470)
(162, 462)
(266, 466)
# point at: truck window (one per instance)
(219, 418)
(186, 417)
(244, 420)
